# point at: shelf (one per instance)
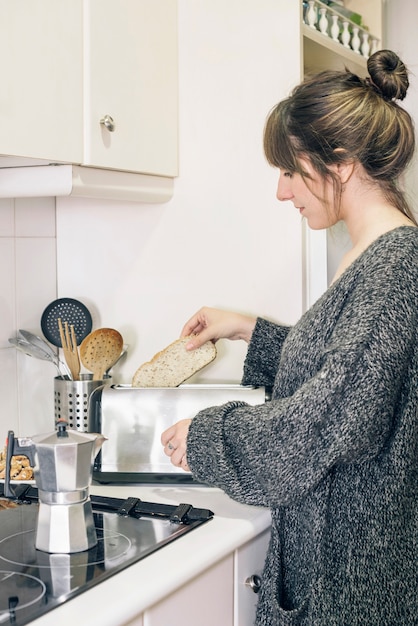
(317, 57)
(348, 48)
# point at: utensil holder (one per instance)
(72, 400)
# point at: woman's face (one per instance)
(313, 197)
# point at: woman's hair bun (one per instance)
(388, 75)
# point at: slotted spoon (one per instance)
(100, 350)
(74, 312)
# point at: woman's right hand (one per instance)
(212, 324)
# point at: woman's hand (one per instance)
(174, 442)
(213, 324)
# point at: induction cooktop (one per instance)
(33, 582)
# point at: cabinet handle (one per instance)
(107, 121)
(254, 582)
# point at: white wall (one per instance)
(223, 240)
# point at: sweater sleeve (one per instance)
(263, 353)
(342, 412)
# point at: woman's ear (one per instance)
(343, 169)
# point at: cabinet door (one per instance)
(41, 112)
(207, 600)
(249, 562)
(131, 76)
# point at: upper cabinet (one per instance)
(130, 85)
(91, 83)
(337, 35)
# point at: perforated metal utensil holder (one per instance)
(72, 401)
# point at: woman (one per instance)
(335, 452)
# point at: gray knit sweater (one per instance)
(335, 452)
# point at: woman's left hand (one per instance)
(174, 442)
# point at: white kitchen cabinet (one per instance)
(131, 77)
(248, 567)
(223, 594)
(206, 600)
(91, 83)
(41, 57)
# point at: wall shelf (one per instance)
(321, 52)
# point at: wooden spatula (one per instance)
(69, 346)
(100, 350)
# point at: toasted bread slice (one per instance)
(173, 365)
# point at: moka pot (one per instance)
(63, 473)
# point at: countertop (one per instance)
(148, 581)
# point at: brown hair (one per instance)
(334, 117)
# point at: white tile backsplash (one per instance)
(35, 279)
(7, 290)
(7, 218)
(28, 283)
(35, 395)
(35, 217)
(8, 393)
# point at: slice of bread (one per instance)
(173, 365)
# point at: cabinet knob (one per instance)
(254, 582)
(107, 121)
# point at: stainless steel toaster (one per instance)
(133, 419)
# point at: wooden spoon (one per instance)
(100, 349)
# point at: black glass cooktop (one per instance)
(33, 582)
